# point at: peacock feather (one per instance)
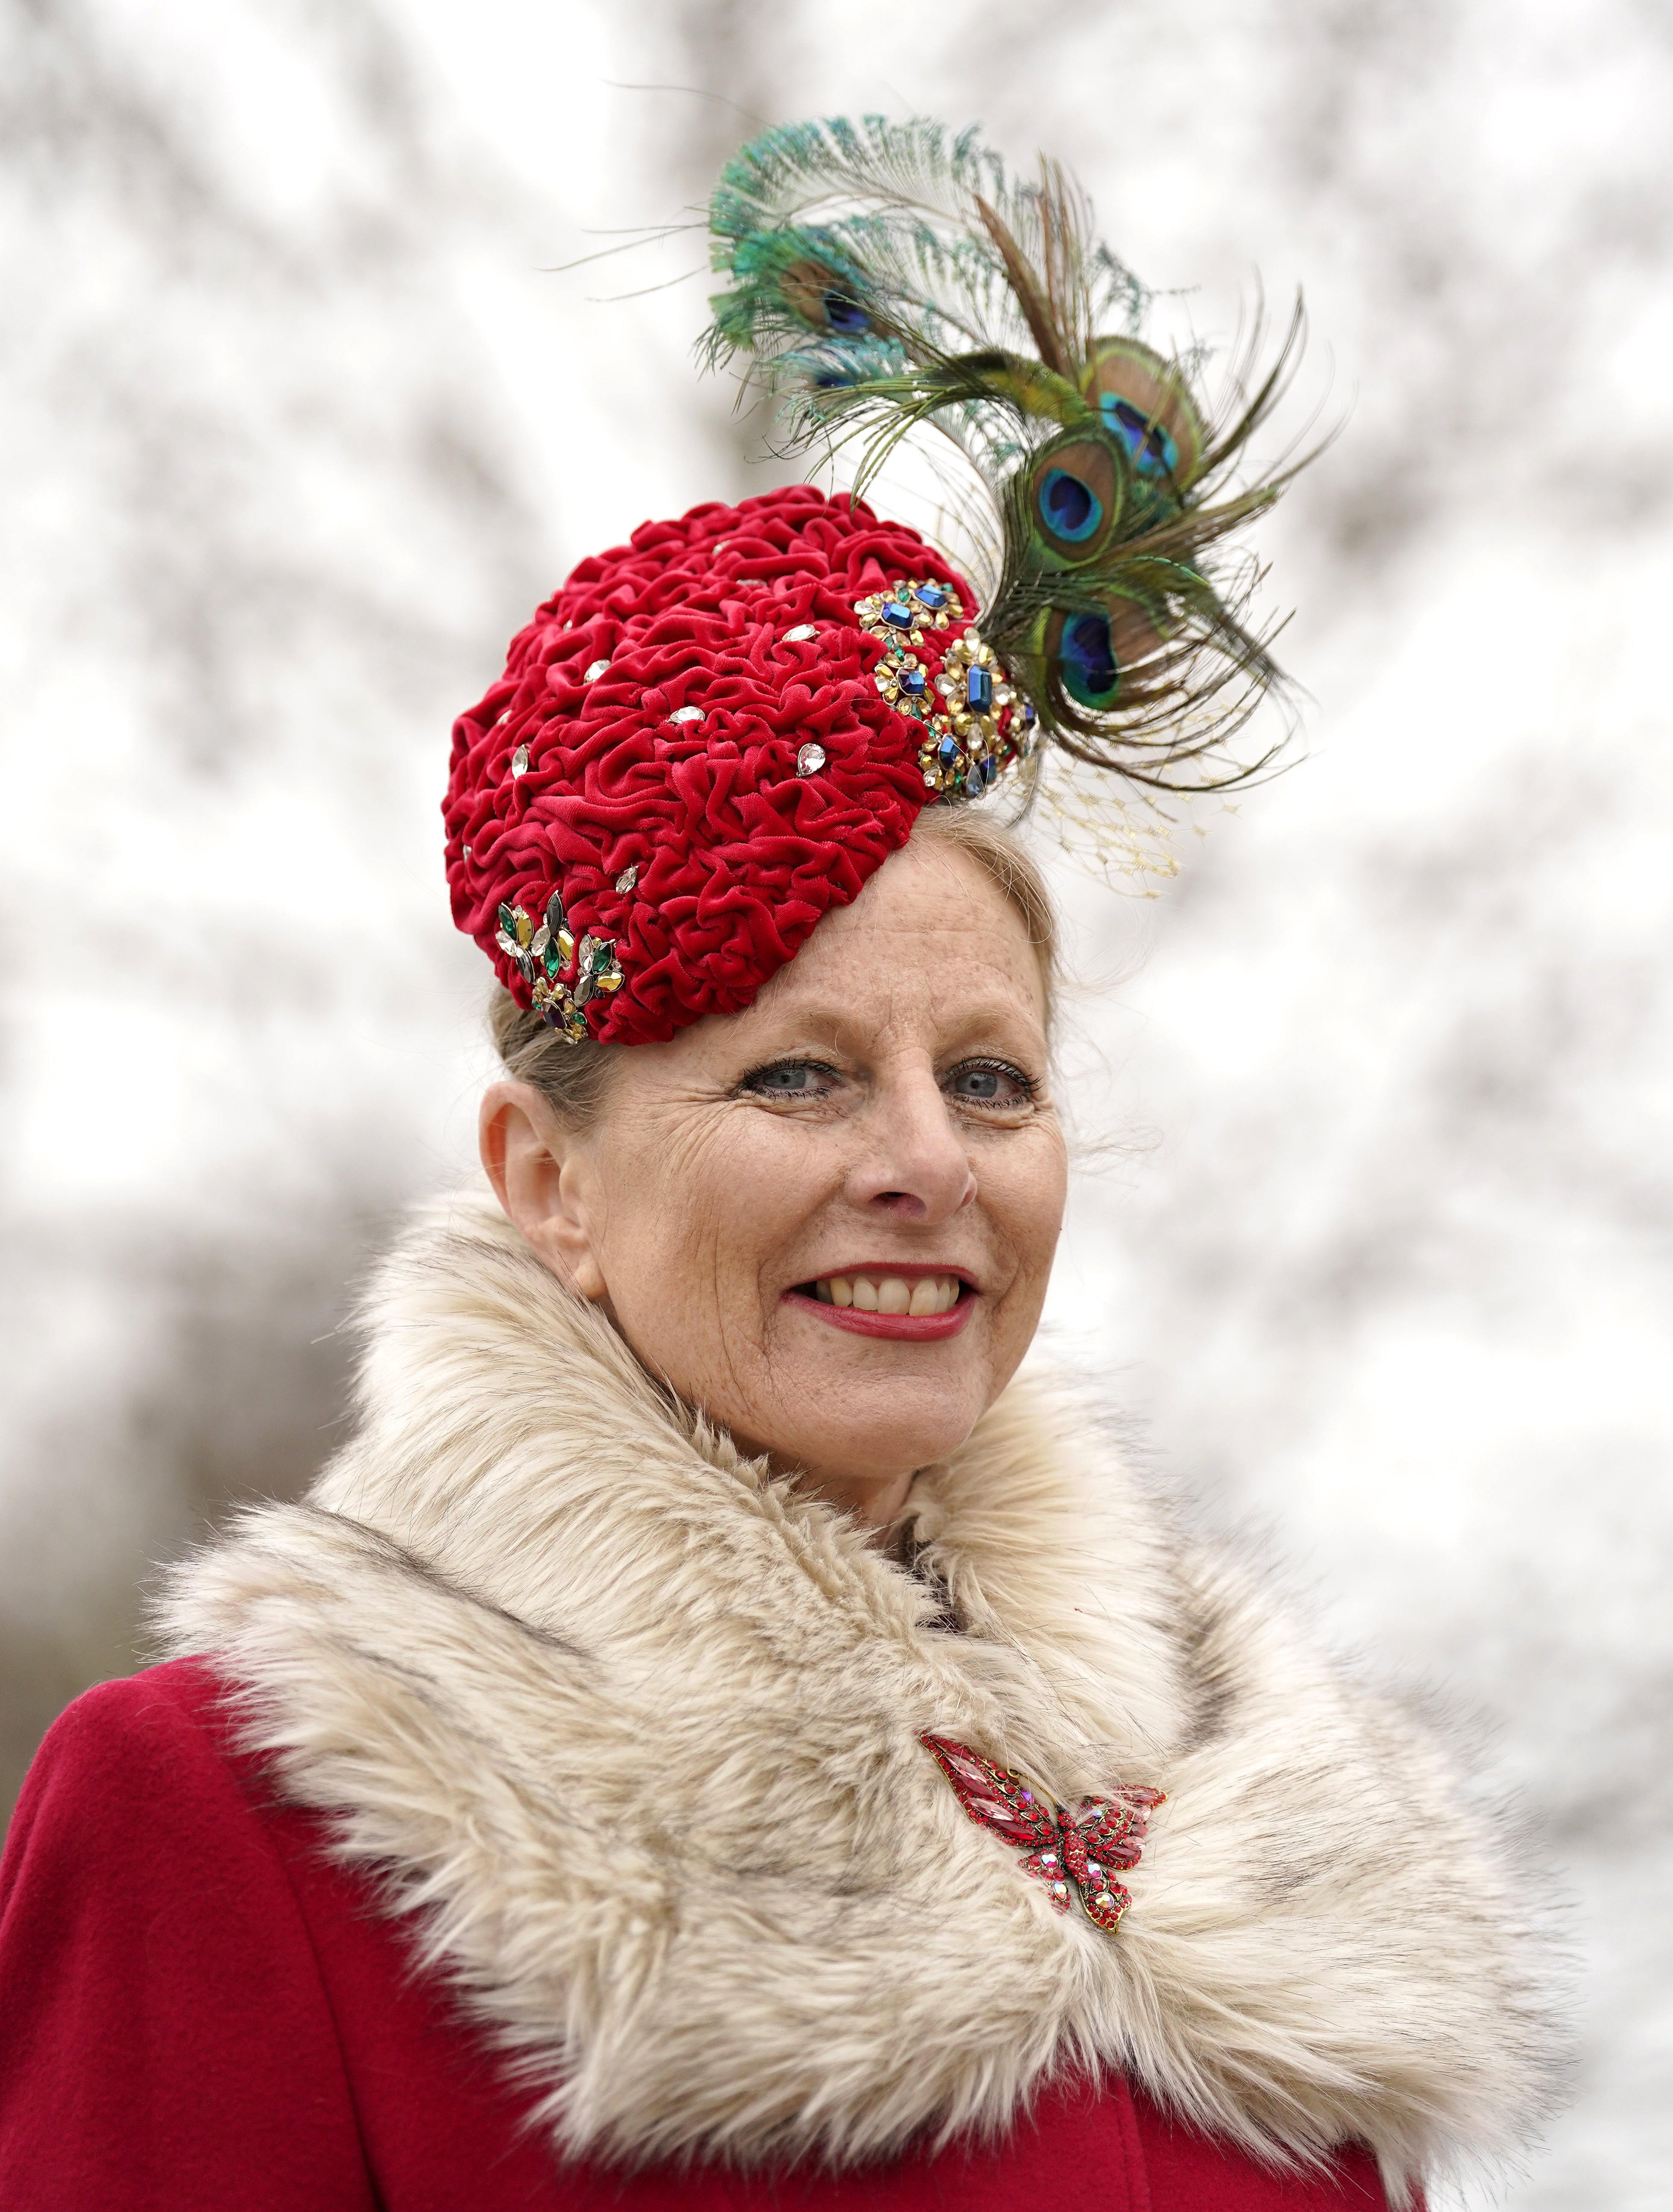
(886, 277)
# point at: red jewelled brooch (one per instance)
(1072, 1852)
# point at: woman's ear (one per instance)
(544, 1178)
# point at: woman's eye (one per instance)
(791, 1078)
(990, 1082)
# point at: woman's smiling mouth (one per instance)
(915, 1302)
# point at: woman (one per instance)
(714, 1735)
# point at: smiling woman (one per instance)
(775, 1205)
(721, 1732)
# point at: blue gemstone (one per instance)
(912, 681)
(931, 596)
(946, 752)
(1029, 717)
(979, 691)
(896, 614)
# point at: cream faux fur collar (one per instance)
(630, 1731)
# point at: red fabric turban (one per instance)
(706, 740)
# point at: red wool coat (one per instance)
(198, 2010)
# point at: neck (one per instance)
(879, 1501)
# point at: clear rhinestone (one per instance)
(520, 760)
(810, 760)
(596, 671)
(628, 878)
(801, 630)
(686, 714)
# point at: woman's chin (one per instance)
(877, 1443)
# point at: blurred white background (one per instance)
(298, 426)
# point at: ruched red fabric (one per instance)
(563, 780)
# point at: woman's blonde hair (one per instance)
(575, 1079)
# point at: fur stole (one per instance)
(628, 1732)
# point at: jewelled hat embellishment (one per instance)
(937, 670)
(562, 976)
(1072, 1852)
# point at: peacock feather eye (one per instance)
(1077, 495)
(1154, 453)
(844, 315)
(817, 295)
(1081, 649)
(1069, 507)
(1144, 400)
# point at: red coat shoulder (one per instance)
(166, 2038)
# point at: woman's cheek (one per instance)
(1027, 1198)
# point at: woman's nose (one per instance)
(913, 1162)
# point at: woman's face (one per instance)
(827, 1221)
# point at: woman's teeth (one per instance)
(889, 1294)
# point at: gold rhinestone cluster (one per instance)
(976, 724)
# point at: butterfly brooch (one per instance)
(1074, 1853)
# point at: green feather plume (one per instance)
(888, 276)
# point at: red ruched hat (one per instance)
(704, 741)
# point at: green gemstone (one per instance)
(604, 952)
(508, 922)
